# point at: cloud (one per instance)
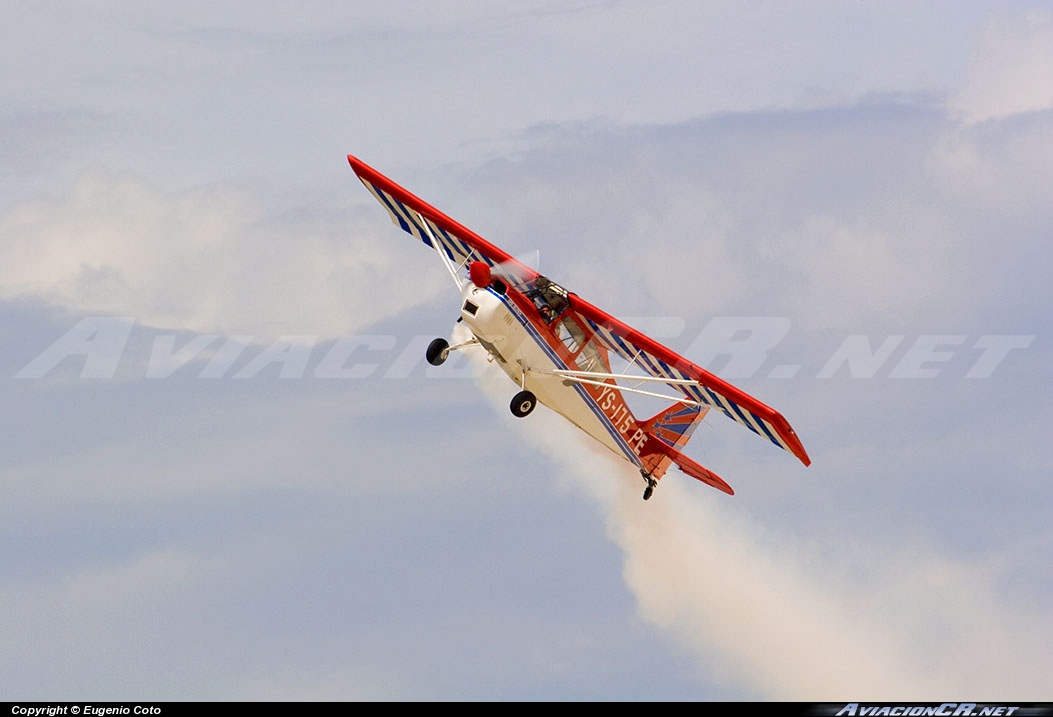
(847, 266)
(114, 606)
(218, 258)
(884, 213)
(1010, 67)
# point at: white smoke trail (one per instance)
(765, 613)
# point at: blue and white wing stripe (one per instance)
(685, 384)
(413, 222)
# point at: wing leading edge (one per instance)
(420, 219)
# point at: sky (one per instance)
(228, 473)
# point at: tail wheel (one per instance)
(437, 352)
(651, 484)
(523, 403)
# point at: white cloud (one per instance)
(858, 270)
(210, 259)
(1010, 67)
(105, 618)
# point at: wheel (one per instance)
(651, 484)
(523, 403)
(437, 352)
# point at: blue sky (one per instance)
(876, 175)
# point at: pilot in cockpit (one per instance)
(550, 298)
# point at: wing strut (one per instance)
(447, 262)
(580, 377)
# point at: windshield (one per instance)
(584, 350)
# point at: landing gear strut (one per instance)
(651, 484)
(524, 401)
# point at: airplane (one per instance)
(559, 350)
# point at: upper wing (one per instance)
(408, 211)
(694, 382)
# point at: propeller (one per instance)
(514, 271)
(517, 270)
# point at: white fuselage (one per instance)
(523, 352)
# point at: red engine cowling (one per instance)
(479, 273)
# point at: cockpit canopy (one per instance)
(549, 297)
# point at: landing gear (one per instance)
(438, 351)
(523, 403)
(651, 484)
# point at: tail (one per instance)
(674, 425)
(669, 431)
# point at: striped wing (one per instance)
(415, 216)
(693, 382)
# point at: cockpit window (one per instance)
(552, 301)
(573, 337)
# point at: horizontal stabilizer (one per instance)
(696, 470)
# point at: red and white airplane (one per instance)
(558, 350)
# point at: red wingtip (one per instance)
(797, 448)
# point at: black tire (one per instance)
(435, 352)
(523, 403)
(648, 492)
